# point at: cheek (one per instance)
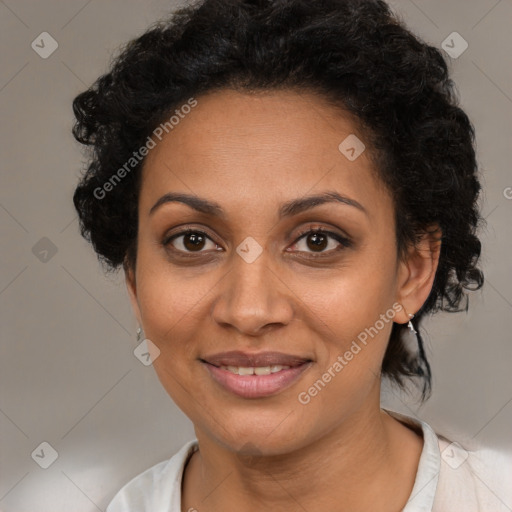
(345, 314)
(347, 303)
(349, 365)
(171, 314)
(172, 304)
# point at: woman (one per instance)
(290, 188)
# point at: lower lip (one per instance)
(256, 386)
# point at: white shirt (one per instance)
(445, 480)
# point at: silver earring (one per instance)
(411, 327)
(139, 334)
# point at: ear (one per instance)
(131, 286)
(417, 272)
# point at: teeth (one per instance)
(260, 370)
(263, 370)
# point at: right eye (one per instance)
(189, 241)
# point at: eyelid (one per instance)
(313, 228)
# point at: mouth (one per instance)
(254, 370)
(255, 375)
(258, 360)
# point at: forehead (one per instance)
(258, 146)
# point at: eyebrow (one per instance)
(287, 209)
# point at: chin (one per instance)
(267, 434)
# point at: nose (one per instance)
(252, 298)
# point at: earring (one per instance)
(139, 334)
(423, 366)
(410, 325)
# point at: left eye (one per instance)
(321, 241)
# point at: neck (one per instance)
(351, 467)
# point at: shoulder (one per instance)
(476, 480)
(157, 489)
(452, 476)
(457, 479)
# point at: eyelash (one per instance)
(344, 241)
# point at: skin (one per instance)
(250, 153)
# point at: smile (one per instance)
(256, 382)
(259, 370)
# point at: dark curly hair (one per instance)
(359, 56)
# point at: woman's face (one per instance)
(246, 279)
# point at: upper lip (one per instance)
(261, 359)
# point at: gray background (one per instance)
(67, 369)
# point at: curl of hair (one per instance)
(360, 57)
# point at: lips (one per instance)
(262, 359)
